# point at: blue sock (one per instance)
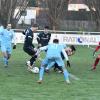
(5, 61)
(66, 74)
(41, 73)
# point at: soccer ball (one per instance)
(35, 70)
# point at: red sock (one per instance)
(95, 63)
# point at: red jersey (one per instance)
(97, 48)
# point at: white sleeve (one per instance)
(65, 54)
(43, 48)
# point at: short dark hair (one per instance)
(34, 25)
(55, 40)
(73, 48)
(46, 27)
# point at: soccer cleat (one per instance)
(5, 65)
(67, 81)
(94, 68)
(39, 81)
(60, 71)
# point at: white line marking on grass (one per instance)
(73, 77)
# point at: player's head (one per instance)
(70, 50)
(34, 27)
(9, 26)
(73, 48)
(46, 29)
(56, 41)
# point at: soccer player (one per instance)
(97, 58)
(1, 32)
(70, 51)
(44, 37)
(54, 55)
(6, 43)
(28, 47)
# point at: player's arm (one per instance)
(30, 39)
(66, 57)
(39, 39)
(43, 48)
(25, 31)
(49, 37)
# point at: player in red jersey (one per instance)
(97, 58)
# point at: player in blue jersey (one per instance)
(6, 43)
(70, 51)
(54, 55)
(1, 32)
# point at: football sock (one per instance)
(96, 62)
(5, 61)
(32, 60)
(66, 74)
(41, 73)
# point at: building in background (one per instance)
(28, 16)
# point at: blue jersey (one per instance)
(6, 37)
(1, 31)
(54, 50)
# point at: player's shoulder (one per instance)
(63, 45)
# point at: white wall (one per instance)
(76, 39)
(31, 14)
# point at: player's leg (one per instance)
(49, 66)
(96, 62)
(57, 67)
(9, 50)
(41, 72)
(60, 62)
(5, 56)
(30, 51)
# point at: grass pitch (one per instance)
(16, 83)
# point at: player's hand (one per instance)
(14, 46)
(68, 64)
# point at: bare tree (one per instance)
(7, 9)
(56, 10)
(94, 6)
